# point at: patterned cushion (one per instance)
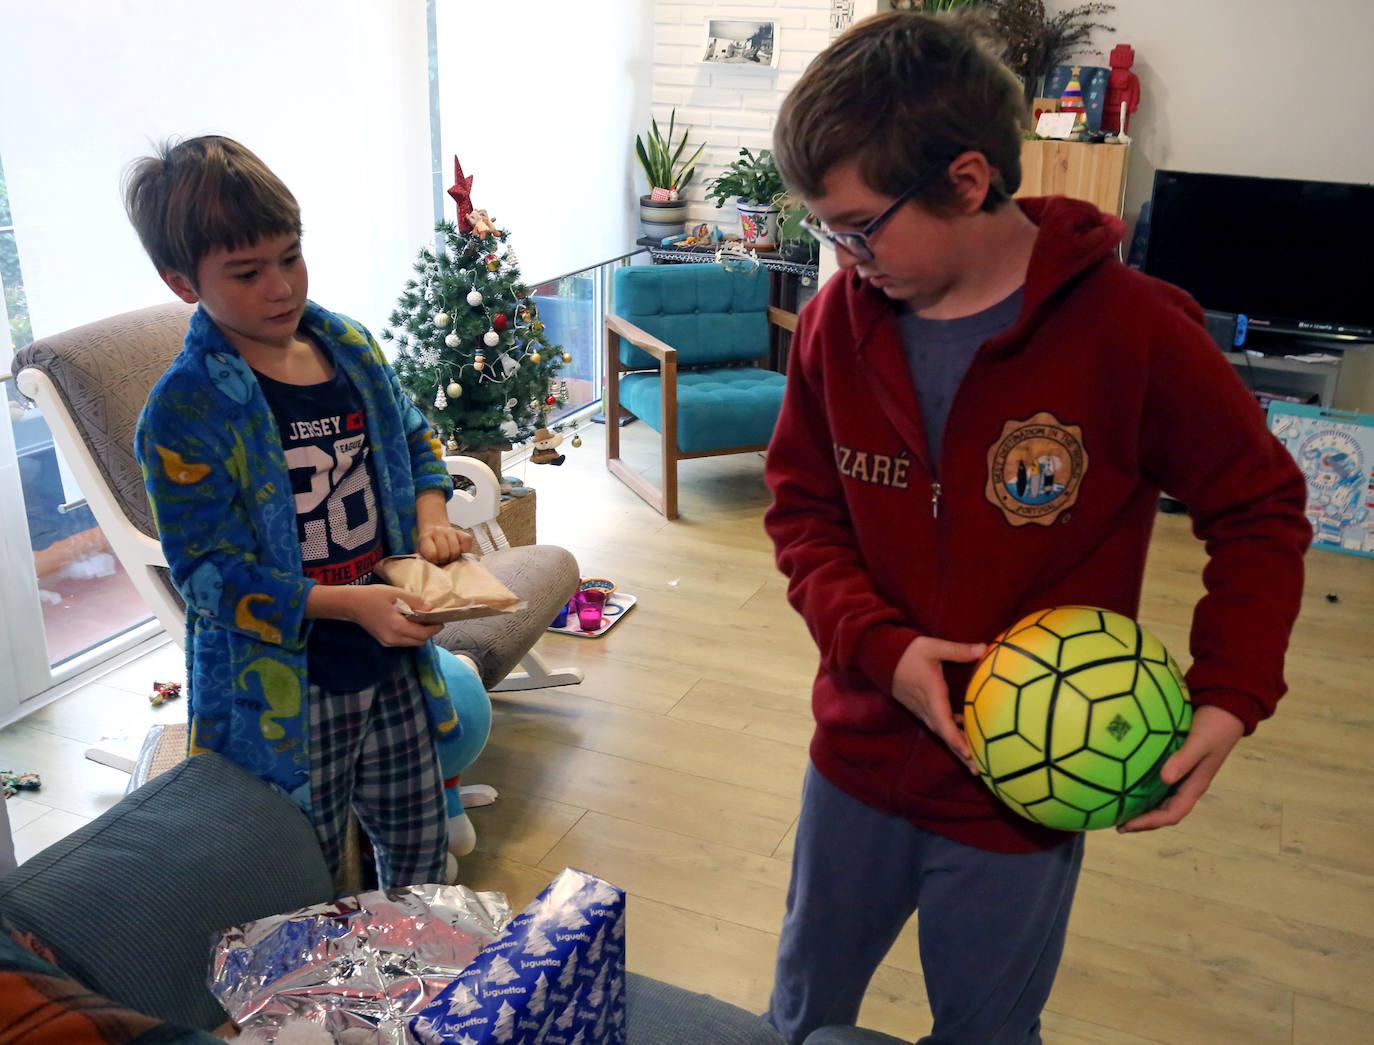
(42, 1005)
(130, 904)
(103, 372)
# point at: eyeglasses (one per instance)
(856, 243)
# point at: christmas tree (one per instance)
(472, 350)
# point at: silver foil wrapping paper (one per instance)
(359, 966)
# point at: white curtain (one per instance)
(541, 102)
(335, 98)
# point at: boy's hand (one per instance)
(1213, 734)
(918, 685)
(373, 607)
(443, 543)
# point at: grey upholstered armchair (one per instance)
(92, 381)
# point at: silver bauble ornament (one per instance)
(474, 298)
(453, 340)
(491, 339)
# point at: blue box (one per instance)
(1335, 450)
(555, 976)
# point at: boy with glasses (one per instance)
(982, 408)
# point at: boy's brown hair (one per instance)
(900, 94)
(193, 196)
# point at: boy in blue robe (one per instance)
(282, 462)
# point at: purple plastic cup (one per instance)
(591, 602)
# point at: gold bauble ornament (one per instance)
(567, 357)
(454, 389)
(535, 357)
(577, 440)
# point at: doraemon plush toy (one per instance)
(473, 708)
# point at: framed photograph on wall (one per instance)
(841, 16)
(742, 42)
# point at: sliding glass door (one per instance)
(64, 593)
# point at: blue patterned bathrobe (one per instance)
(217, 479)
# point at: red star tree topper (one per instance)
(461, 191)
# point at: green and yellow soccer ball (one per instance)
(1071, 713)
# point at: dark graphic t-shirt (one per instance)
(324, 433)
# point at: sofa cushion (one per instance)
(42, 1005)
(658, 1013)
(545, 576)
(131, 903)
(717, 409)
(708, 314)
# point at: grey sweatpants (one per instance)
(991, 929)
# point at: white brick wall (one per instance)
(727, 107)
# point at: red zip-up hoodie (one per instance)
(1106, 391)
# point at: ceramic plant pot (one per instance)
(662, 218)
(758, 224)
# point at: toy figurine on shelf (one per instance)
(1072, 101)
(1123, 90)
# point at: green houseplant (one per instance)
(755, 184)
(1036, 40)
(662, 162)
(794, 242)
(665, 168)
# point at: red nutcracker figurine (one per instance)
(1123, 90)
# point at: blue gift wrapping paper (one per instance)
(555, 976)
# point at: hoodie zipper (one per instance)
(935, 491)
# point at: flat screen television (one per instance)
(1292, 256)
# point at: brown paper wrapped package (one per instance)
(459, 591)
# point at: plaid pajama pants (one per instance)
(371, 752)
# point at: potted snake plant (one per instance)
(663, 210)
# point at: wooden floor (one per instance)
(674, 771)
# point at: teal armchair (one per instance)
(685, 353)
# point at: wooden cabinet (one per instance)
(1096, 173)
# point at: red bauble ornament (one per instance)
(498, 322)
(550, 400)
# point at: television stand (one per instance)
(1345, 380)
